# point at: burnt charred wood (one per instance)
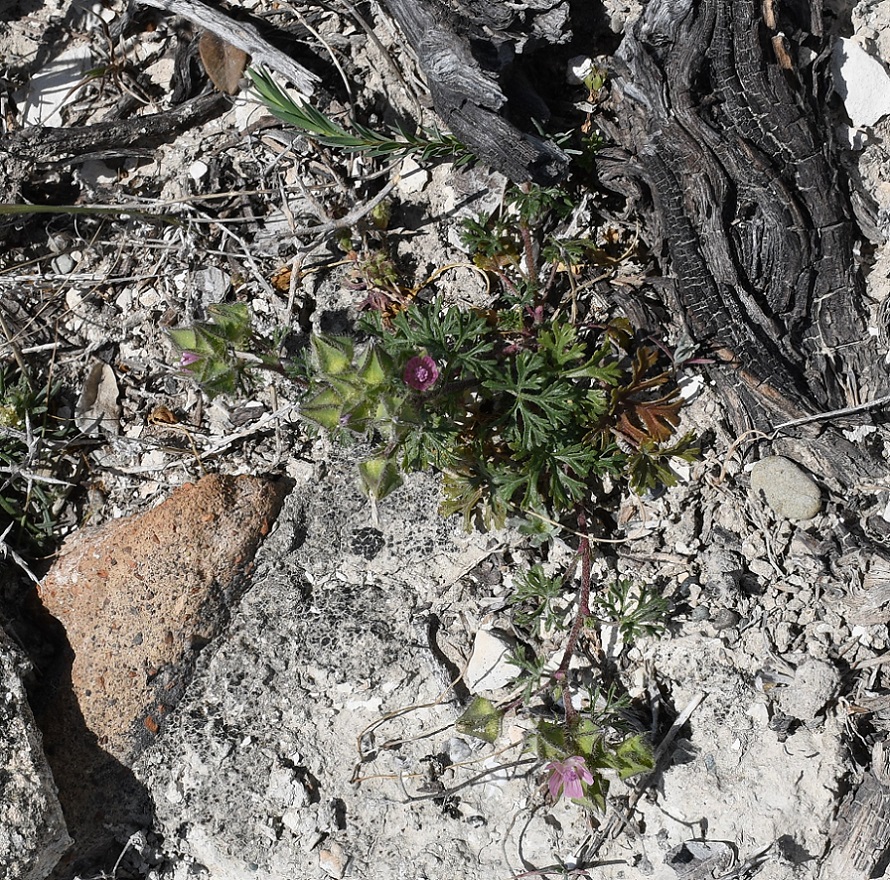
(469, 100)
(746, 205)
(25, 153)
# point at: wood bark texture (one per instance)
(470, 101)
(860, 839)
(747, 204)
(25, 152)
(243, 36)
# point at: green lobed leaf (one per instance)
(481, 719)
(379, 477)
(375, 367)
(631, 757)
(333, 354)
(232, 321)
(184, 338)
(325, 408)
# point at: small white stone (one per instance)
(97, 173)
(760, 714)
(62, 264)
(488, 669)
(333, 860)
(51, 87)
(691, 387)
(859, 433)
(610, 638)
(212, 283)
(198, 170)
(579, 68)
(172, 793)
(862, 82)
(149, 298)
(413, 178)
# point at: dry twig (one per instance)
(243, 36)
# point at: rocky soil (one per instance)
(251, 674)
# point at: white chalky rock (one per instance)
(488, 669)
(862, 82)
(788, 490)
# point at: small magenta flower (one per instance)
(567, 776)
(188, 358)
(421, 373)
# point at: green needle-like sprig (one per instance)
(428, 145)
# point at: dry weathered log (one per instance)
(243, 36)
(755, 223)
(860, 839)
(42, 148)
(469, 101)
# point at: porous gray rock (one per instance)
(33, 835)
(787, 488)
(258, 773)
(816, 683)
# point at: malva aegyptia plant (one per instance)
(521, 416)
(523, 411)
(221, 353)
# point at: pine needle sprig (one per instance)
(429, 145)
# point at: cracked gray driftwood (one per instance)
(860, 839)
(470, 101)
(728, 147)
(725, 150)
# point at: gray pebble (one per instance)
(725, 618)
(815, 684)
(788, 490)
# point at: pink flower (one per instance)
(188, 358)
(567, 776)
(421, 373)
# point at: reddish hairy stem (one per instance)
(585, 552)
(505, 280)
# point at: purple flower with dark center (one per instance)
(188, 358)
(421, 373)
(567, 777)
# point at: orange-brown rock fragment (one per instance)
(137, 599)
(140, 596)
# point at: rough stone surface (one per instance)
(815, 684)
(871, 22)
(138, 596)
(256, 766)
(137, 599)
(788, 490)
(255, 773)
(33, 835)
(862, 81)
(733, 777)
